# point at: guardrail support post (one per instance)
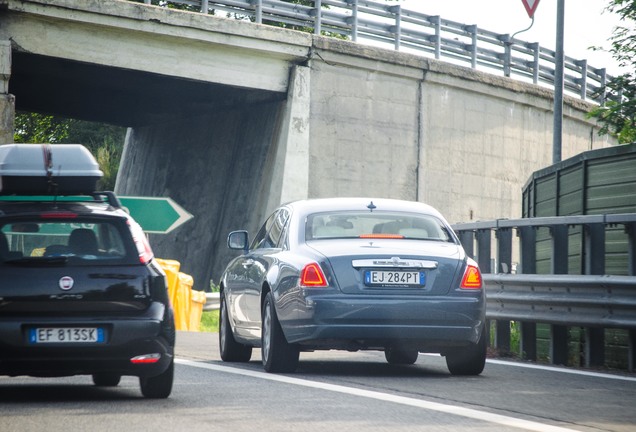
(559, 345)
(259, 12)
(437, 20)
(528, 341)
(559, 262)
(594, 235)
(504, 250)
(467, 239)
(318, 18)
(528, 249)
(535, 62)
(631, 360)
(483, 250)
(354, 19)
(397, 29)
(594, 249)
(630, 229)
(528, 257)
(502, 336)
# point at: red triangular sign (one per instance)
(531, 6)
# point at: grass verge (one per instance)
(210, 321)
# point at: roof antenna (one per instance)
(371, 206)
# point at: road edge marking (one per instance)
(370, 394)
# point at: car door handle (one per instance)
(247, 263)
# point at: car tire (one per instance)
(230, 349)
(106, 379)
(468, 361)
(160, 386)
(398, 356)
(278, 355)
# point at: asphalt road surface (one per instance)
(331, 391)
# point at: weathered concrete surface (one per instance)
(217, 166)
(230, 118)
(7, 101)
(401, 126)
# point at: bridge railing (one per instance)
(593, 300)
(390, 25)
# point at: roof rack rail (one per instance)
(111, 198)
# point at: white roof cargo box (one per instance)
(44, 169)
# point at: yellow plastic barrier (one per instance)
(171, 268)
(186, 302)
(183, 301)
(197, 303)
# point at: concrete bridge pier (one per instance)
(7, 100)
(225, 167)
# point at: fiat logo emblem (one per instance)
(66, 283)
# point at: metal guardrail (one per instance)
(212, 301)
(594, 301)
(570, 300)
(390, 25)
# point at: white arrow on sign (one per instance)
(155, 214)
(531, 6)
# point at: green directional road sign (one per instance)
(156, 215)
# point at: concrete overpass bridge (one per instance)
(230, 118)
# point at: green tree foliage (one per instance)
(617, 115)
(104, 141)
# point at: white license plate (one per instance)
(394, 278)
(66, 335)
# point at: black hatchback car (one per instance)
(80, 292)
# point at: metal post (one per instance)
(354, 17)
(504, 250)
(472, 29)
(583, 83)
(397, 10)
(204, 6)
(528, 341)
(558, 333)
(437, 20)
(631, 361)
(603, 97)
(559, 262)
(528, 256)
(528, 249)
(507, 54)
(535, 62)
(483, 250)
(594, 240)
(559, 345)
(630, 230)
(259, 11)
(557, 134)
(502, 336)
(467, 239)
(318, 19)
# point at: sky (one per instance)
(585, 23)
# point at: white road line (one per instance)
(433, 406)
(562, 370)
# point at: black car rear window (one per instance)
(396, 225)
(80, 242)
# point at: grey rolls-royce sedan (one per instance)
(353, 274)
